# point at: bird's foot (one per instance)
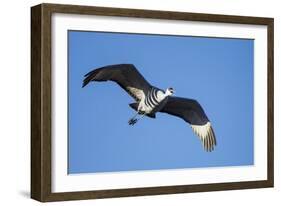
(132, 121)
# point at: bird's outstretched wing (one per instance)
(191, 111)
(126, 75)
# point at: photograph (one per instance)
(158, 102)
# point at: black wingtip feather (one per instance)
(90, 76)
(84, 84)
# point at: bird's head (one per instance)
(169, 91)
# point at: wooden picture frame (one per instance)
(41, 102)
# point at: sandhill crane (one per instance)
(150, 100)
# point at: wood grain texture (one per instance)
(40, 103)
(270, 102)
(36, 163)
(186, 16)
(41, 83)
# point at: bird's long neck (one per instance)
(167, 93)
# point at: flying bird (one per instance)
(150, 100)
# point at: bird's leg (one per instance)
(134, 120)
(142, 115)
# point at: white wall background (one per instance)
(15, 102)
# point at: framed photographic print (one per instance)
(130, 102)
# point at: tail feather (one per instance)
(134, 106)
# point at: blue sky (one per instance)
(217, 72)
